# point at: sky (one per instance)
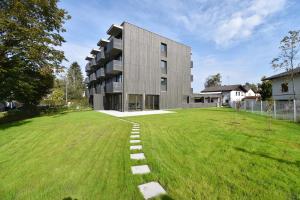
(236, 38)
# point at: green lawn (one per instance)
(194, 154)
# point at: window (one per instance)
(163, 49)
(163, 84)
(284, 87)
(163, 67)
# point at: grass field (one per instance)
(194, 154)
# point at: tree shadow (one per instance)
(263, 155)
(69, 198)
(166, 197)
(13, 124)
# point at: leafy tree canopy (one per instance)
(213, 80)
(29, 32)
(265, 89)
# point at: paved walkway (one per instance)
(135, 113)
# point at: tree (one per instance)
(265, 89)
(287, 58)
(29, 32)
(75, 85)
(213, 80)
(251, 86)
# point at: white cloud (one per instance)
(242, 23)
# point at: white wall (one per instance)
(237, 95)
(250, 93)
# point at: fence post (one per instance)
(252, 106)
(245, 105)
(261, 107)
(275, 114)
(295, 111)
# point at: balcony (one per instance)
(92, 77)
(114, 46)
(87, 67)
(114, 67)
(100, 89)
(100, 73)
(100, 57)
(114, 87)
(92, 91)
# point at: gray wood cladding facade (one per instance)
(141, 67)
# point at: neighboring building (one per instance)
(224, 95)
(282, 86)
(135, 69)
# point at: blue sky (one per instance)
(237, 38)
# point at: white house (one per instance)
(282, 86)
(227, 94)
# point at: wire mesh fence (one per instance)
(285, 110)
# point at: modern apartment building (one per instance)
(135, 69)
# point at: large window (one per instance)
(163, 84)
(284, 87)
(163, 67)
(163, 49)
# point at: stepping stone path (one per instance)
(137, 147)
(137, 156)
(151, 189)
(134, 136)
(134, 141)
(140, 169)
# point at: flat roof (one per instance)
(90, 57)
(114, 29)
(102, 42)
(95, 51)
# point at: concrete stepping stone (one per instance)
(135, 129)
(134, 136)
(138, 126)
(137, 156)
(135, 132)
(140, 169)
(136, 147)
(134, 141)
(152, 189)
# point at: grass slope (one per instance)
(194, 154)
(221, 154)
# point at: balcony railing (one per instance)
(100, 56)
(114, 67)
(87, 67)
(92, 91)
(114, 87)
(100, 73)
(100, 89)
(114, 46)
(92, 77)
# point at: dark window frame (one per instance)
(285, 87)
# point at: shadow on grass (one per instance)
(69, 198)
(263, 155)
(13, 124)
(166, 197)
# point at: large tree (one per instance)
(75, 85)
(265, 89)
(29, 34)
(251, 86)
(213, 80)
(288, 57)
